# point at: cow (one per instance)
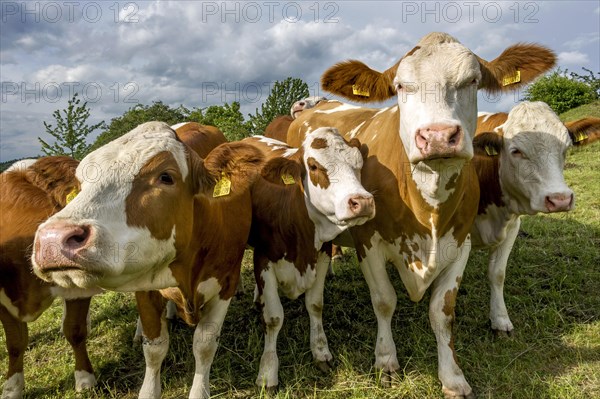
(29, 193)
(201, 139)
(304, 199)
(278, 127)
(519, 160)
(419, 172)
(584, 131)
(152, 215)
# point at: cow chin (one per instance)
(69, 278)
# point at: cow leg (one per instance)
(16, 343)
(501, 324)
(441, 316)
(383, 299)
(272, 312)
(314, 305)
(206, 338)
(155, 342)
(75, 328)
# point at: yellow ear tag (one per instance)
(72, 194)
(491, 151)
(511, 79)
(357, 91)
(288, 179)
(580, 137)
(223, 187)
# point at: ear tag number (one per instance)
(511, 79)
(357, 91)
(491, 151)
(72, 194)
(288, 179)
(223, 187)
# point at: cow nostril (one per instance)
(454, 139)
(78, 237)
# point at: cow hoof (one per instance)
(386, 379)
(502, 334)
(324, 365)
(268, 391)
(470, 395)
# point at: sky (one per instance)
(116, 54)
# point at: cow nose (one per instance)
(559, 202)
(439, 140)
(361, 206)
(301, 103)
(58, 244)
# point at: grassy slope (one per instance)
(591, 109)
(552, 294)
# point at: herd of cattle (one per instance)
(167, 212)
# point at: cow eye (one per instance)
(517, 153)
(166, 178)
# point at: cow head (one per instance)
(328, 168)
(301, 105)
(436, 84)
(531, 146)
(133, 214)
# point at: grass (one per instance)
(552, 295)
(591, 109)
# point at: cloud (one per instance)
(572, 58)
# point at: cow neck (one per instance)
(488, 176)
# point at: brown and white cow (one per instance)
(30, 192)
(145, 219)
(519, 159)
(419, 173)
(305, 198)
(278, 127)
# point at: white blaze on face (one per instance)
(437, 86)
(533, 158)
(119, 253)
(333, 181)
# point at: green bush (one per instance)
(560, 92)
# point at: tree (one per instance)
(137, 115)
(280, 100)
(589, 79)
(71, 131)
(560, 92)
(228, 118)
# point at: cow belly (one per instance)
(74, 293)
(291, 282)
(419, 260)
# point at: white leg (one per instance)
(441, 316)
(206, 338)
(383, 299)
(272, 312)
(496, 273)
(14, 387)
(155, 351)
(314, 305)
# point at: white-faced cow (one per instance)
(519, 158)
(30, 192)
(278, 127)
(146, 219)
(305, 198)
(419, 173)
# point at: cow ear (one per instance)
(584, 131)
(517, 66)
(364, 149)
(357, 82)
(283, 171)
(488, 144)
(233, 167)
